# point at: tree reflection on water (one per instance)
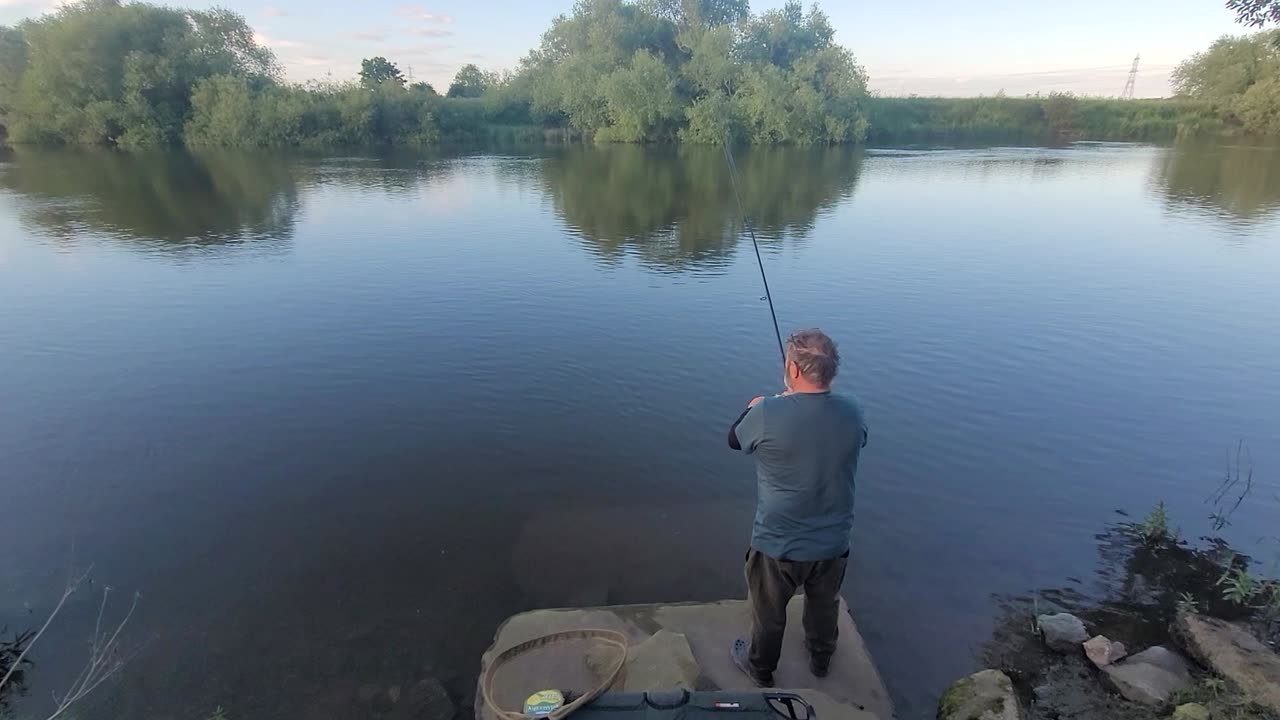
(1238, 182)
(169, 199)
(674, 207)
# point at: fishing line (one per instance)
(742, 213)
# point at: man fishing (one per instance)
(806, 444)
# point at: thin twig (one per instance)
(71, 589)
(104, 662)
(97, 626)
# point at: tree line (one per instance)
(694, 71)
(135, 74)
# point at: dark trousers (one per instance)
(770, 586)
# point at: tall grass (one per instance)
(1050, 118)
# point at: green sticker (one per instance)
(543, 703)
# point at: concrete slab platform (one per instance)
(853, 690)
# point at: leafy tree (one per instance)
(378, 70)
(1227, 69)
(471, 82)
(700, 70)
(423, 87)
(104, 72)
(222, 112)
(780, 37)
(1241, 75)
(13, 61)
(712, 66)
(641, 101)
(703, 13)
(1259, 107)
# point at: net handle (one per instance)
(608, 637)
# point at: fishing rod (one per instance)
(742, 213)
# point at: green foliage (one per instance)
(1239, 586)
(641, 101)
(1259, 107)
(698, 70)
(104, 72)
(1255, 12)
(13, 62)
(218, 714)
(1240, 76)
(228, 111)
(1223, 699)
(783, 37)
(1056, 117)
(376, 71)
(472, 82)
(1155, 528)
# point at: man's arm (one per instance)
(750, 432)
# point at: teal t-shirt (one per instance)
(806, 448)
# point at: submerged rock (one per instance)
(426, 700)
(1151, 677)
(368, 692)
(1232, 652)
(1063, 632)
(1070, 690)
(987, 695)
(1191, 711)
(1102, 652)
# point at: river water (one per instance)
(335, 417)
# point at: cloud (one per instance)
(428, 32)
(312, 61)
(271, 42)
(417, 12)
(376, 36)
(271, 11)
(422, 50)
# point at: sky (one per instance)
(925, 47)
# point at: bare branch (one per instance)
(105, 659)
(97, 626)
(71, 589)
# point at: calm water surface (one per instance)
(337, 417)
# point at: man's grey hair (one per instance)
(816, 355)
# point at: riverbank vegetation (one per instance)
(1057, 117)
(1240, 77)
(696, 71)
